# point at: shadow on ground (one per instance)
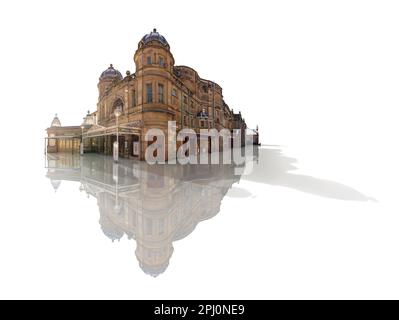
(274, 168)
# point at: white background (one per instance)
(320, 78)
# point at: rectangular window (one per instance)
(202, 124)
(161, 227)
(160, 93)
(134, 98)
(149, 92)
(185, 99)
(174, 93)
(148, 226)
(149, 60)
(161, 62)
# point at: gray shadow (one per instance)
(236, 192)
(272, 167)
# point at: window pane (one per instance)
(148, 226)
(149, 93)
(134, 98)
(160, 93)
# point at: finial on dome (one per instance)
(56, 122)
(111, 73)
(155, 30)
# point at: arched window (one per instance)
(118, 103)
(161, 61)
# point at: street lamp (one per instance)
(81, 140)
(117, 112)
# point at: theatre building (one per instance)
(157, 92)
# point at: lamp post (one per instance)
(81, 141)
(117, 112)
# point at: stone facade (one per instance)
(157, 92)
(62, 139)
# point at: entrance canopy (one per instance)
(62, 137)
(99, 131)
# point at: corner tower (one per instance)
(153, 52)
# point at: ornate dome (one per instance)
(56, 122)
(154, 271)
(55, 184)
(154, 36)
(111, 74)
(111, 230)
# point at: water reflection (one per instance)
(155, 205)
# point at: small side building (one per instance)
(62, 139)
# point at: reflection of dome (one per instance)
(55, 184)
(56, 122)
(111, 74)
(150, 208)
(154, 271)
(130, 235)
(154, 36)
(109, 229)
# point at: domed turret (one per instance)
(154, 52)
(56, 122)
(110, 74)
(154, 36)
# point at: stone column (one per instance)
(129, 151)
(106, 145)
(143, 146)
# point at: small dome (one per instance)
(154, 36)
(112, 233)
(154, 270)
(56, 122)
(111, 230)
(55, 184)
(88, 120)
(111, 74)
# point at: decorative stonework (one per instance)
(156, 93)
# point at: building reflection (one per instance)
(155, 205)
